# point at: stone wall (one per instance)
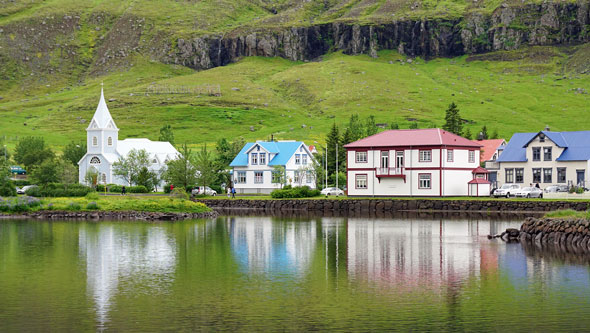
(557, 235)
(386, 205)
(129, 215)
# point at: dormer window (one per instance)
(254, 158)
(94, 141)
(110, 141)
(304, 159)
(542, 138)
(262, 158)
(95, 160)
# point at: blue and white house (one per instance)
(546, 158)
(104, 148)
(254, 166)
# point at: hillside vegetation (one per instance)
(55, 53)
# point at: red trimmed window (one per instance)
(361, 157)
(424, 181)
(360, 181)
(472, 156)
(425, 156)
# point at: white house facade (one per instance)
(104, 148)
(546, 158)
(254, 168)
(420, 162)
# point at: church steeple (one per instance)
(102, 133)
(102, 117)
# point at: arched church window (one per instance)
(95, 160)
(94, 141)
(110, 141)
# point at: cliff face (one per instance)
(507, 28)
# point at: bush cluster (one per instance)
(294, 192)
(7, 190)
(19, 204)
(60, 190)
(21, 182)
(114, 188)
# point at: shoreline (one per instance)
(109, 215)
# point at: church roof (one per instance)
(161, 150)
(102, 117)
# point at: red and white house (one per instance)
(418, 162)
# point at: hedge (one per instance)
(60, 190)
(295, 192)
(114, 188)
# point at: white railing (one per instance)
(389, 171)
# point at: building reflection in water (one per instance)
(137, 254)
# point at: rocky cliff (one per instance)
(507, 28)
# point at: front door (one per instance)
(399, 161)
(384, 161)
(580, 177)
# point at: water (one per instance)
(277, 274)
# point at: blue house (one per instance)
(546, 158)
(255, 167)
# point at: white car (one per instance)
(206, 190)
(529, 192)
(332, 191)
(24, 189)
(506, 190)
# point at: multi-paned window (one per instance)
(361, 181)
(254, 158)
(425, 156)
(241, 177)
(258, 177)
(276, 177)
(94, 141)
(304, 159)
(519, 175)
(536, 175)
(95, 160)
(536, 153)
(361, 157)
(450, 155)
(561, 175)
(424, 181)
(509, 176)
(547, 153)
(472, 156)
(296, 176)
(297, 159)
(308, 177)
(262, 158)
(110, 141)
(547, 175)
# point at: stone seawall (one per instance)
(386, 205)
(105, 215)
(571, 235)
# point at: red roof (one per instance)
(489, 148)
(480, 170)
(479, 181)
(413, 137)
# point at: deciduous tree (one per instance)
(129, 167)
(31, 152)
(181, 171)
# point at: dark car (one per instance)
(18, 170)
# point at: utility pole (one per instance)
(326, 159)
(337, 165)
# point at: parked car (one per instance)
(23, 190)
(332, 191)
(18, 170)
(506, 190)
(530, 192)
(203, 190)
(556, 188)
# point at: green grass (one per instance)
(511, 92)
(568, 214)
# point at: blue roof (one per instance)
(576, 144)
(283, 150)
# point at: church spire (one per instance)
(102, 117)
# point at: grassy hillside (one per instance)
(512, 91)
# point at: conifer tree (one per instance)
(467, 134)
(484, 133)
(453, 122)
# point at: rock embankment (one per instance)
(387, 205)
(571, 233)
(129, 215)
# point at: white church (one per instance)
(104, 148)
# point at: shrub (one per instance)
(166, 188)
(7, 190)
(295, 192)
(92, 196)
(179, 193)
(137, 189)
(21, 182)
(92, 205)
(33, 192)
(60, 190)
(74, 206)
(580, 190)
(20, 204)
(114, 188)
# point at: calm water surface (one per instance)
(269, 274)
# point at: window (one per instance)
(276, 177)
(450, 156)
(361, 181)
(424, 181)
(258, 177)
(254, 160)
(561, 175)
(472, 156)
(95, 160)
(241, 177)
(304, 159)
(110, 141)
(308, 177)
(361, 157)
(519, 175)
(297, 159)
(547, 175)
(425, 156)
(154, 161)
(536, 175)
(94, 141)
(296, 176)
(542, 138)
(509, 176)
(262, 158)
(547, 153)
(536, 153)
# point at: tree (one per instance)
(74, 152)
(484, 133)
(47, 172)
(370, 126)
(181, 171)
(356, 128)
(148, 179)
(413, 125)
(166, 134)
(227, 151)
(467, 134)
(332, 141)
(279, 176)
(453, 122)
(91, 176)
(7, 189)
(31, 151)
(66, 172)
(494, 134)
(129, 167)
(206, 168)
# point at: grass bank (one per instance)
(568, 214)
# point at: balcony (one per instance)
(390, 173)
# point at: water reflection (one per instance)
(142, 256)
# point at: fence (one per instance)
(205, 89)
